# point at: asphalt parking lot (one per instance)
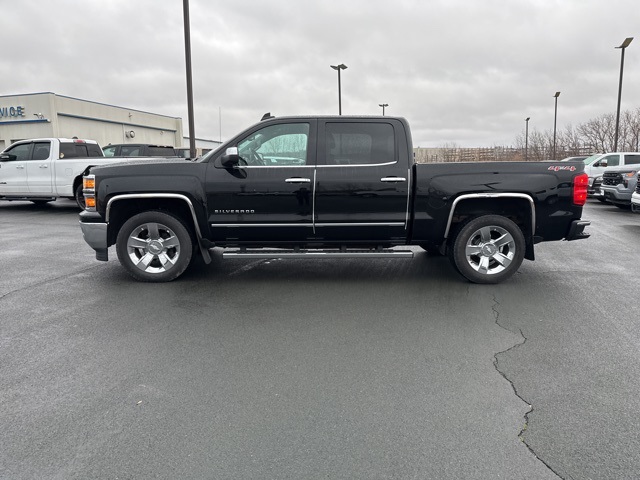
(291, 369)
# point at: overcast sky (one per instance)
(464, 72)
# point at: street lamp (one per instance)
(342, 66)
(622, 47)
(526, 139)
(383, 105)
(555, 118)
(187, 54)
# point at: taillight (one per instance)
(580, 186)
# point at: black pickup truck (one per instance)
(324, 187)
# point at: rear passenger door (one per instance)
(39, 168)
(362, 181)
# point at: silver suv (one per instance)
(619, 183)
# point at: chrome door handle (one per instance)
(20, 167)
(393, 179)
(44, 166)
(298, 180)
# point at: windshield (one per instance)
(592, 158)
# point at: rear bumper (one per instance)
(576, 231)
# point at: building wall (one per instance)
(51, 115)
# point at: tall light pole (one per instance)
(342, 66)
(383, 105)
(187, 55)
(526, 139)
(555, 118)
(622, 47)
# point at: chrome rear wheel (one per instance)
(488, 249)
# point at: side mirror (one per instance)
(7, 156)
(603, 162)
(230, 157)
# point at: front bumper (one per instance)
(617, 194)
(95, 234)
(576, 231)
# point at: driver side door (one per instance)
(268, 195)
(13, 172)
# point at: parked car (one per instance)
(595, 164)
(619, 183)
(43, 169)
(635, 197)
(138, 150)
(329, 187)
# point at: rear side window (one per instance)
(94, 150)
(359, 143)
(632, 159)
(41, 150)
(130, 151)
(155, 151)
(79, 150)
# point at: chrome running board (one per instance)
(315, 253)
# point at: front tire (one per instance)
(79, 196)
(154, 247)
(488, 249)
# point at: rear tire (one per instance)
(154, 247)
(488, 249)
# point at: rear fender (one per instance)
(518, 207)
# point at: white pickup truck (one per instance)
(43, 169)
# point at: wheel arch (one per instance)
(518, 207)
(173, 203)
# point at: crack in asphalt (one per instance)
(496, 314)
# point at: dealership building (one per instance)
(43, 115)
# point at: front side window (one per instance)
(109, 151)
(20, 151)
(276, 146)
(612, 160)
(359, 143)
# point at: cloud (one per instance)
(462, 71)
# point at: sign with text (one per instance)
(12, 112)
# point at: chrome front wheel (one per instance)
(154, 247)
